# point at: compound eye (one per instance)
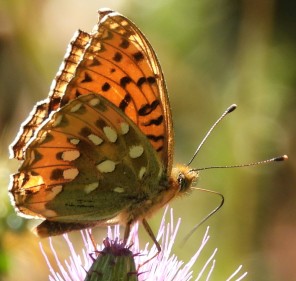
(181, 181)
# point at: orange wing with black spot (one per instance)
(117, 62)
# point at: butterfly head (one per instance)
(184, 177)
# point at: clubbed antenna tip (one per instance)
(281, 158)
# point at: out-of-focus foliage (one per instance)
(214, 53)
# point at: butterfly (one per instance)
(98, 151)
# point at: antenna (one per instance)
(275, 159)
(215, 210)
(227, 111)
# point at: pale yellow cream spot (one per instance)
(70, 174)
(42, 136)
(118, 189)
(142, 172)
(91, 187)
(57, 121)
(136, 151)
(124, 128)
(94, 102)
(76, 107)
(95, 139)
(74, 141)
(110, 134)
(70, 155)
(106, 166)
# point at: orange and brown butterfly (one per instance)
(98, 150)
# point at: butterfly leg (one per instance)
(150, 233)
(152, 236)
(91, 237)
(127, 232)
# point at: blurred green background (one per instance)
(213, 53)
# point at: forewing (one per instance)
(118, 62)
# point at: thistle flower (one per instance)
(165, 266)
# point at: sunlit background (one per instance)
(213, 53)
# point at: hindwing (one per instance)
(89, 162)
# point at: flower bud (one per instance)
(114, 262)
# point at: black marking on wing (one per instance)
(85, 131)
(124, 81)
(87, 78)
(156, 121)
(124, 44)
(159, 149)
(49, 137)
(106, 87)
(77, 93)
(95, 62)
(56, 174)
(59, 155)
(148, 108)
(138, 56)
(125, 102)
(100, 123)
(155, 138)
(150, 80)
(141, 81)
(117, 57)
